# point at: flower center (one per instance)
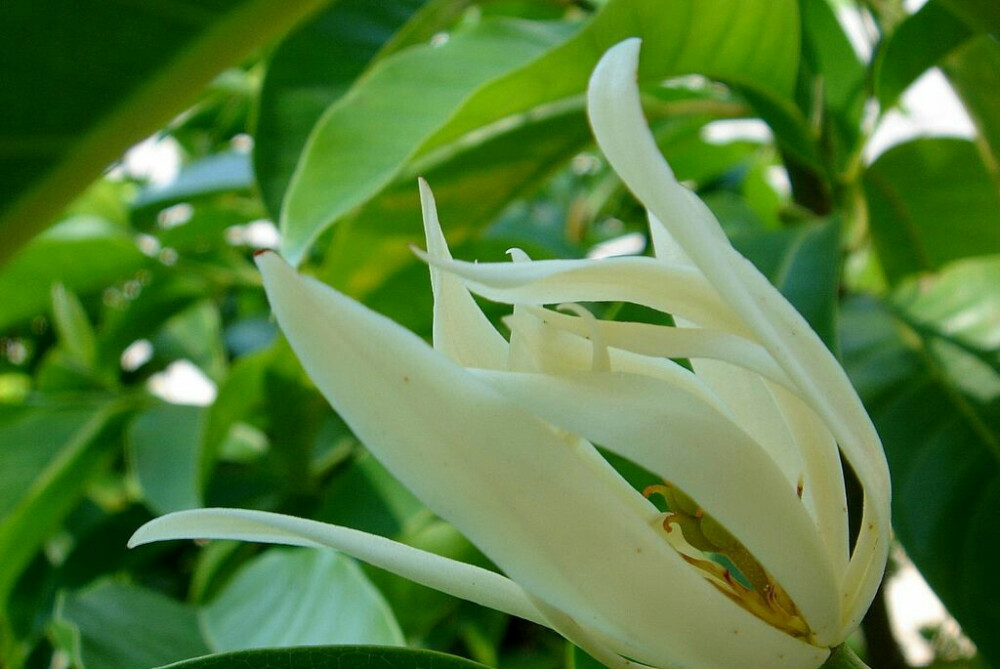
(725, 562)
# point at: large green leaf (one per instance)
(309, 70)
(363, 140)
(331, 657)
(427, 97)
(84, 254)
(942, 443)
(931, 201)
(47, 457)
(116, 626)
(298, 597)
(85, 79)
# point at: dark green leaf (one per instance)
(115, 626)
(974, 71)
(943, 445)
(66, 119)
(47, 456)
(804, 264)
(916, 45)
(331, 657)
(931, 201)
(165, 450)
(308, 71)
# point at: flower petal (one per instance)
(534, 502)
(671, 342)
(677, 436)
(449, 576)
(461, 330)
(669, 288)
(621, 132)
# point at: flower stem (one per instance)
(843, 657)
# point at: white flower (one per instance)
(496, 436)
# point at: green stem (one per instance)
(843, 657)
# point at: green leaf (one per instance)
(116, 626)
(957, 313)
(76, 334)
(47, 457)
(195, 334)
(472, 187)
(943, 445)
(66, 119)
(363, 140)
(931, 201)
(917, 44)
(165, 451)
(518, 68)
(974, 71)
(832, 58)
(298, 597)
(331, 657)
(980, 15)
(84, 254)
(309, 70)
(804, 264)
(224, 172)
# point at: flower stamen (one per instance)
(752, 587)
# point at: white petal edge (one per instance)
(461, 330)
(452, 577)
(668, 288)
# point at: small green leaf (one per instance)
(298, 597)
(165, 449)
(931, 201)
(116, 626)
(76, 334)
(47, 457)
(84, 254)
(331, 657)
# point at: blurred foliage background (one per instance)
(140, 372)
